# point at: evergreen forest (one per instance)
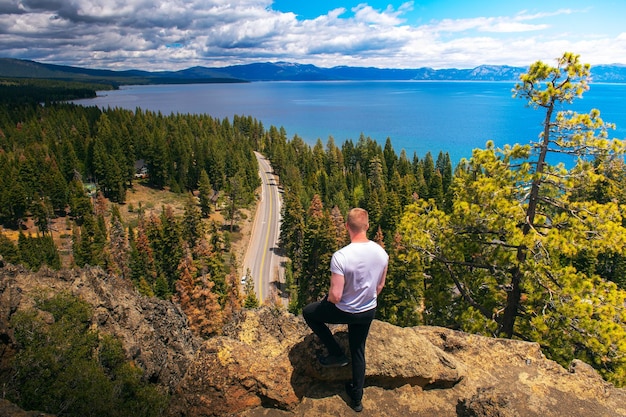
(505, 244)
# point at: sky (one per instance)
(159, 35)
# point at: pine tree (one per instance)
(197, 300)
(391, 159)
(519, 243)
(341, 233)
(118, 248)
(54, 188)
(109, 161)
(34, 252)
(162, 287)
(210, 262)
(233, 301)
(379, 237)
(435, 188)
(89, 241)
(192, 226)
(142, 265)
(292, 228)
(8, 250)
(170, 247)
(236, 199)
(402, 300)
(80, 204)
(205, 192)
(250, 298)
(14, 198)
(157, 159)
(391, 213)
(319, 245)
(41, 210)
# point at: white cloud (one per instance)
(367, 14)
(511, 27)
(487, 24)
(175, 34)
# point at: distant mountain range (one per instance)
(279, 71)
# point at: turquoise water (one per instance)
(417, 116)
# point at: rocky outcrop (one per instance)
(264, 363)
(267, 359)
(264, 366)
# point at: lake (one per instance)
(418, 116)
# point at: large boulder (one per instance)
(267, 358)
(265, 365)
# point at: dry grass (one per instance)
(151, 201)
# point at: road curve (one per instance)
(263, 258)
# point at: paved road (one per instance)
(262, 257)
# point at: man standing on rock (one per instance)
(358, 273)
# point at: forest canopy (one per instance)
(15, 91)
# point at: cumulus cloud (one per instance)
(367, 14)
(175, 34)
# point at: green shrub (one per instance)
(64, 368)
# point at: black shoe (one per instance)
(332, 361)
(356, 405)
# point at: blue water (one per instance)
(417, 116)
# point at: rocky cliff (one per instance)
(263, 364)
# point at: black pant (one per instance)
(319, 313)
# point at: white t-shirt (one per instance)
(362, 265)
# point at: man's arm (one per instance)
(336, 288)
(381, 281)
